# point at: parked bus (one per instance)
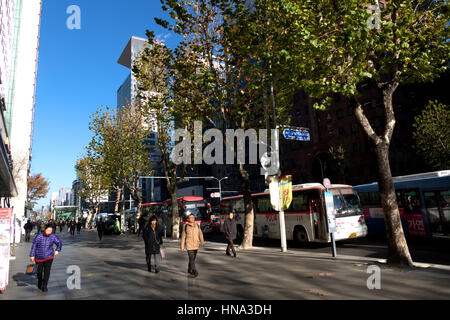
(423, 201)
(187, 205)
(306, 217)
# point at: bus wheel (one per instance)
(300, 236)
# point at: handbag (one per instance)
(163, 253)
(31, 269)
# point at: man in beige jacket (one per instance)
(192, 237)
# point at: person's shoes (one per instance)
(39, 284)
(195, 274)
(156, 270)
(44, 289)
(228, 254)
(149, 269)
(234, 254)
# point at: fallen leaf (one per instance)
(107, 275)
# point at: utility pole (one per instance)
(278, 175)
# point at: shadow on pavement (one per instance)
(139, 266)
(24, 280)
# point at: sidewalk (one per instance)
(115, 268)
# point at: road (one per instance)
(115, 268)
(436, 251)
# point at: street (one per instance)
(115, 268)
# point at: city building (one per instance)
(20, 28)
(8, 188)
(337, 127)
(127, 94)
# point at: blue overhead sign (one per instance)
(296, 134)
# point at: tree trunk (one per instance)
(119, 193)
(398, 248)
(398, 252)
(175, 213)
(247, 241)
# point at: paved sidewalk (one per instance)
(115, 268)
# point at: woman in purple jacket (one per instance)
(42, 253)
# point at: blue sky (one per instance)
(78, 72)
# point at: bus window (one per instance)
(412, 201)
(346, 203)
(239, 206)
(198, 208)
(364, 197)
(225, 207)
(375, 198)
(299, 203)
(263, 205)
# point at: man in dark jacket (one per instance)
(141, 224)
(152, 235)
(100, 228)
(42, 253)
(28, 227)
(79, 225)
(230, 232)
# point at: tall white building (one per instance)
(22, 18)
(8, 9)
(127, 93)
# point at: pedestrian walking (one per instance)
(191, 238)
(42, 252)
(28, 227)
(61, 225)
(129, 225)
(230, 232)
(41, 226)
(141, 223)
(117, 227)
(100, 229)
(72, 227)
(152, 235)
(79, 225)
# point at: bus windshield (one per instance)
(346, 203)
(198, 208)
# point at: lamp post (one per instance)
(220, 185)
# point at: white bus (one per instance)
(306, 216)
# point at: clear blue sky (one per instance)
(78, 72)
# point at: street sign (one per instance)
(331, 218)
(297, 134)
(215, 195)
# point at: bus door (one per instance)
(314, 206)
(437, 206)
